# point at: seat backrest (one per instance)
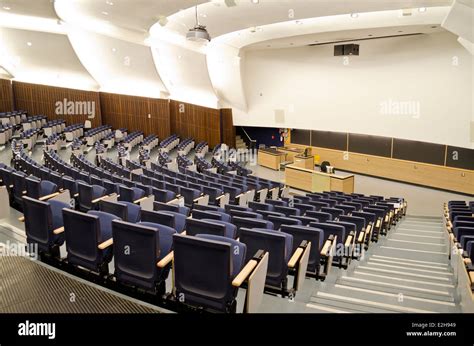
(208, 207)
(115, 208)
(311, 234)
(203, 271)
(38, 223)
(243, 222)
(279, 246)
(260, 206)
(210, 214)
(189, 195)
(331, 228)
(276, 202)
(33, 188)
(358, 221)
(137, 249)
(287, 210)
(83, 235)
(247, 214)
(335, 213)
(196, 226)
(166, 218)
(303, 207)
(280, 220)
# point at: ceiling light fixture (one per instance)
(354, 15)
(422, 9)
(199, 32)
(255, 1)
(29, 44)
(7, 8)
(105, 13)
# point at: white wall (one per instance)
(317, 91)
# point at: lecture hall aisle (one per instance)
(407, 271)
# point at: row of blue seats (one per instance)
(13, 118)
(73, 131)
(202, 164)
(34, 122)
(94, 238)
(201, 148)
(150, 142)
(184, 162)
(97, 134)
(169, 143)
(459, 217)
(6, 133)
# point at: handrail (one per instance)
(250, 139)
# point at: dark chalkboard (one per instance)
(370, 145)
(300, 137)
(460, 158)
(419, 151)
(330, 140)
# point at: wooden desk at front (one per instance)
(315, 181)
(270, 158)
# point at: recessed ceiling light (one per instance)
(105, 13)
(29, 44)
(255, 1)
(7, 8)
(114, 50)
(354, 15)
(422, 9)
(110, 3)
(179, 56)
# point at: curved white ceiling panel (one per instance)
(35, 8)
(221, 19)
(184, 72)
(43, 58)
(225, 70)
(135, 15)
(118, 66)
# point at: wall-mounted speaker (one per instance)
(346, 49)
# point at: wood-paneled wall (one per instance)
(6, 95)
(440, 177)
(200, 123)
(39, 99)
(227, 127)
(136, 113)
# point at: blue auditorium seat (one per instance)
(41, 219)
(84, 232)
(148, 244)
(279, 246)
(204, 267)
(167, 218)
(127, 211)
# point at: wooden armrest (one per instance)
(471, 277)
(197, 199)
(361, 237)
(105, 244)
(217, 198)
(44, 198)
(467, 261)
(368, 228)
(21, 219)
(76, 195)
(94, 201)
(378, 223)
(386, 218)
(58, 230)
(348, 240)
(244, 273)
(24, 192)
(140, 200)
(173, 201)
(165, 260)
(296, 256)
(326, 247)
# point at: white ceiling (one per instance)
(152, 33)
